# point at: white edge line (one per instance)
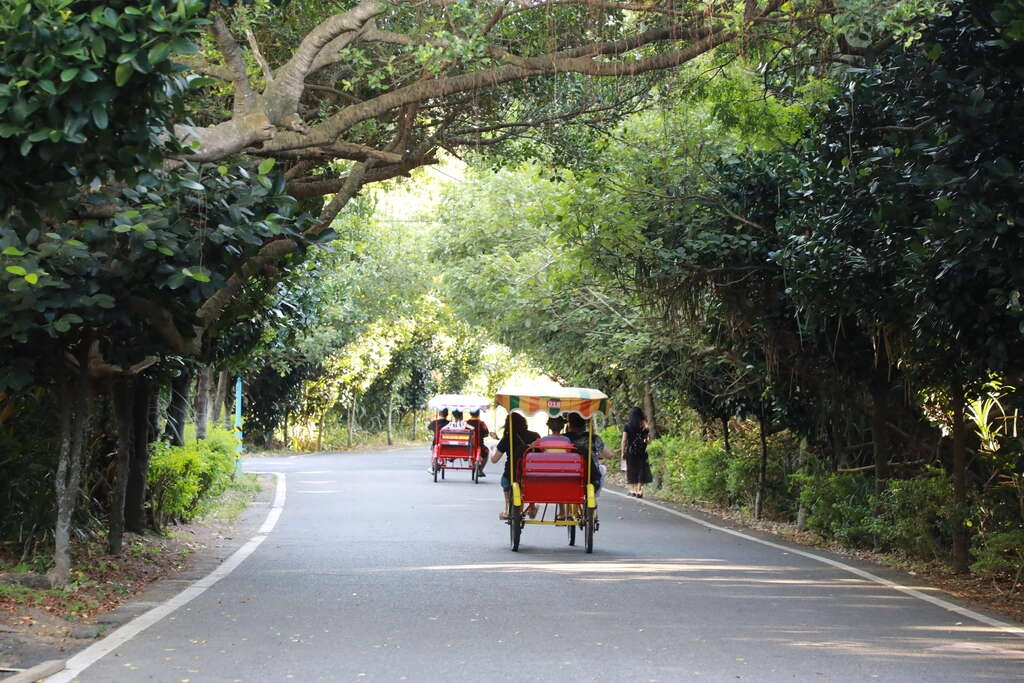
(914, 593)
(89, 656)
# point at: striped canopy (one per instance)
(463, 402)
(554, 401)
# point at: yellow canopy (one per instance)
(553, 401)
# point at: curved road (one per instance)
(367, 570)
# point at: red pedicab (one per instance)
(551, 472)
(457, 448)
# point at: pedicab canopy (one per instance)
(463, 402)
(553, 401)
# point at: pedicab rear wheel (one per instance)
(515, 526)
(589, 524)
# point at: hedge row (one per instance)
(182, 480)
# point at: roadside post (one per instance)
(238, 425)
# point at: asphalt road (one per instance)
(367, 570)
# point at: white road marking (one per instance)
(89, 656)
(906, 590)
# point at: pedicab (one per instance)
(457, 448)
(551, 472)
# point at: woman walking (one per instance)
(635, 435)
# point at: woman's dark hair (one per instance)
(576, 422)
(636, 419)
(515, 422)
(556, 424)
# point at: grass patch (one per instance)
(230, 505)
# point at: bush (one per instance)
(1000, 554)
(29, 442)
(915, 516)
(695, 469)
(182, 480)
(840, 506)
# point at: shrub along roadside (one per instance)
(910, 518)
(184, 479)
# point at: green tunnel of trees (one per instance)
(791, 232)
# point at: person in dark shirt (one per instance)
(481, 430)
(516, 436)
(633, 449)
(583, 440)
(435, 427)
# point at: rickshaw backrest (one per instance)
(553, 471)
(552, 456)
(455, 437)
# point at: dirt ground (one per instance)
(154, 568)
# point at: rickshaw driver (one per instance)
(581, 440)
(434, 427)
(517, 434)
(482, 431)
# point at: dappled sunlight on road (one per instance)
(902, 646)
(613, 569)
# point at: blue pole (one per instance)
(238, 423)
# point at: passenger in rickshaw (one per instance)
(481, 430)
(435, 427)
(457, 421)
(556, 424)
(518, 432)
(583, 440)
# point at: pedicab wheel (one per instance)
(436, 468)
(591, 521)
(515, 526)
(473, 474)
(572, 533)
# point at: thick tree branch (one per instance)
(245, 98)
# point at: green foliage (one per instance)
(28, 446)
(109, 277)
(910, 516)
(915, 516)
(840, 506)
(183, 480)
(1000, 554)
(76, 88)
(697, 469)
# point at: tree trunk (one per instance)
(174, 431)
(415, 421)
(72, 420)
(219, 395)
(229, 404)
(725, 436)
(203, 390)
(648, 401)
(961, 557)
(284, 427)
(391, 400)
(351, 421)
(143, 411)
(123, 394)
(320, 431)
(880, 443)
(801, 509)
(762, 472)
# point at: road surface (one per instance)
(367, 570)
